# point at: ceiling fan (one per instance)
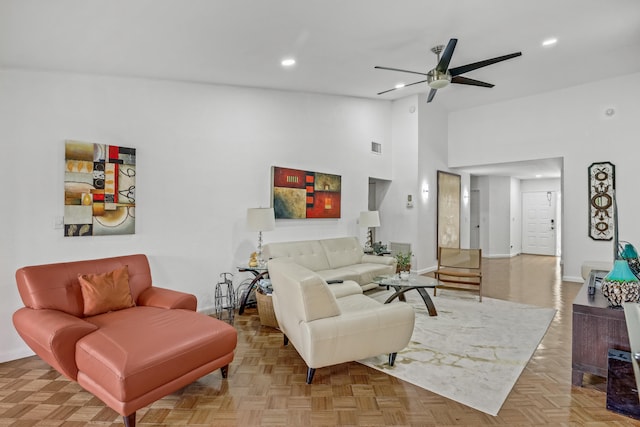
(441, 76)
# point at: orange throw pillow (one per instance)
(106, 292)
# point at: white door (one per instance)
(539, 223)
(474, 213)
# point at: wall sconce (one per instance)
(425, 192)
(465, 197)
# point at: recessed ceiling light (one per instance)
(400, 85)
(538, 176)
(288, 62)
(550, 42)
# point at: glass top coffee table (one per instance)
(419, 283)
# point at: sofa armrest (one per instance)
(52, 335)
(374, 259)
(167, 298)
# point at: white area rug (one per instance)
(471, 352)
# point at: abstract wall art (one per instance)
(302, 194)
(602, 183)
(99, 189)
(448, 210)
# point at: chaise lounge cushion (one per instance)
(347, 287)
(106, 291)
(137, 350)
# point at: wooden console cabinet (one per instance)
(596, 329)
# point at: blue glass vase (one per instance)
(620, 285)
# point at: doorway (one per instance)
(474, 220)
(540, 223)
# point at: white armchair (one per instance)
(326, 330)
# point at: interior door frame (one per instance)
(474, 217)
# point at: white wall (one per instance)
(500, 209)
(433, 136)
(570, 123)
(204, 157)
(398, 222)
(496, 211)
(515, 226)
(433, 157)
(532, 185)
(419, 135)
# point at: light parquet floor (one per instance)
(266, 383)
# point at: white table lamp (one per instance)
(260, 219)
(369, 219)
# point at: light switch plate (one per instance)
(58, 222)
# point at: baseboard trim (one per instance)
(211, 310)
(499, 255)
(426, 270)
(15, 355)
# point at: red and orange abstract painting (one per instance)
(303, 194)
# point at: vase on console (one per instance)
(620, 285)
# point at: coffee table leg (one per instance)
(427, 301)
(399, 294)
(423, 293)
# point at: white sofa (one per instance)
(340, 258)
(587, 266)
(326, 330)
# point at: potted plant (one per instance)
(404, 263)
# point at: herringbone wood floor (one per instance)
(266, 384)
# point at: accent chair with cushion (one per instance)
(328, 330)
(103, 324)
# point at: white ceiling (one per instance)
(336, 43)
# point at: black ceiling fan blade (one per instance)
(385, 91)
(410, 84)
(471, 82)
(415, 83)
(432, 93)
(398, 69)
(470, 67)
(443, 64)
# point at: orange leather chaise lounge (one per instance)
(102, 323)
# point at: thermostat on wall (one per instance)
(409, 201)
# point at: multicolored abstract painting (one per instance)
(303, 194)
(99, 189)
(448, 210)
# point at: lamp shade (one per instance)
(369, 219)
(261, 219)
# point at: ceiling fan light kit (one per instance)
(441, 76)
(438, 80)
